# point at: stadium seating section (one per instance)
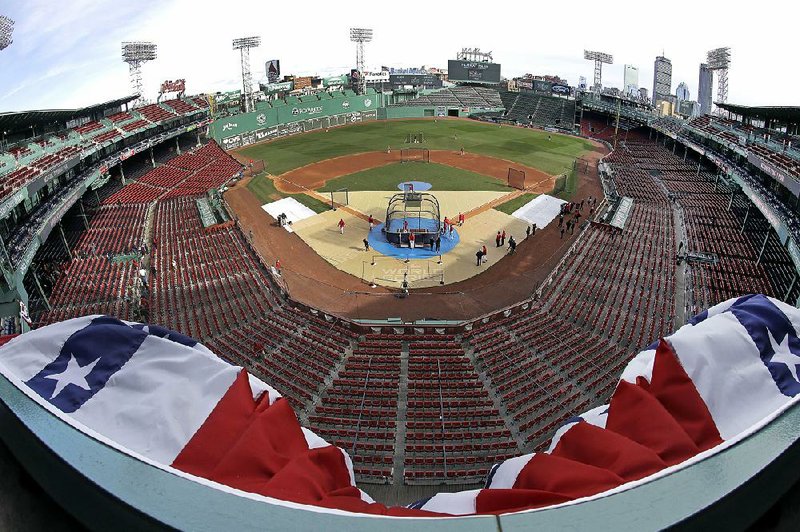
(473, 97)
(528, 108)
(422, 406)
(20, 165)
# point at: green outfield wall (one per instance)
(294, 115)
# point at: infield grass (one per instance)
(441, 177)
(526, 146)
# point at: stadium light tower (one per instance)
(6, 31)
(135, 53)
(599, 58)
(243, 44)
(719, 60)
(360, 36)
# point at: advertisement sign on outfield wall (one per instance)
(292, 128)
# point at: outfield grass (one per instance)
(264, 189)
(513, 204)
(441, 177)
(526, 146)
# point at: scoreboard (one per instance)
(473, 71)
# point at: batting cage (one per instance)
(412, 212)
(339, 198)
(516, 178)
(415, 154)
(415, 138)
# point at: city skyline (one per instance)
(73, 59)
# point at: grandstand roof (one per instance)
(781, 113)
(21, 120)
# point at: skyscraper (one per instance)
(631, 79)
(662, 80)
(704, 89)
(682, 93)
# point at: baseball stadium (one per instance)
(358, 304)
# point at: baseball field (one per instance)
(467, 172)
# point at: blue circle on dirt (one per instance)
(377, 241)
(419, 186)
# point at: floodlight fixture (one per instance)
(246, 42)
(6, 32)
(719, 61)
(599, 58)
(243, 44)
(135, 53)
(360, 36)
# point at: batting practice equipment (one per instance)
(339, 198)
(516, 178)
(412, 212)
(415, 154)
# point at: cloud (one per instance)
(80, 40)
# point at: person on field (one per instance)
(485, 254)
(512, 245)
(438, 244)
(278, 265)
(497, 240)
(366, 244)
(479, 257)
(411, 240)
(503, 238)
(341, 225)
(371, 222)
(527, 232)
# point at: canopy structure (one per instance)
(772, 116)
(24, 121)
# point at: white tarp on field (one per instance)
(541, 210)
(293, 209)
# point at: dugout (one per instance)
(412, 212)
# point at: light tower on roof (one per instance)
(719, 60)
(6, 31)
(135, 53)
(360, 36)
(599, 58)
(243, 44)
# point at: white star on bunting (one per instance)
(783, 355)
(73, 374)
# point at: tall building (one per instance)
(662, 79)
(682, 93)
(704, 89)
(631, 79)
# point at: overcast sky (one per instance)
(66, 53)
